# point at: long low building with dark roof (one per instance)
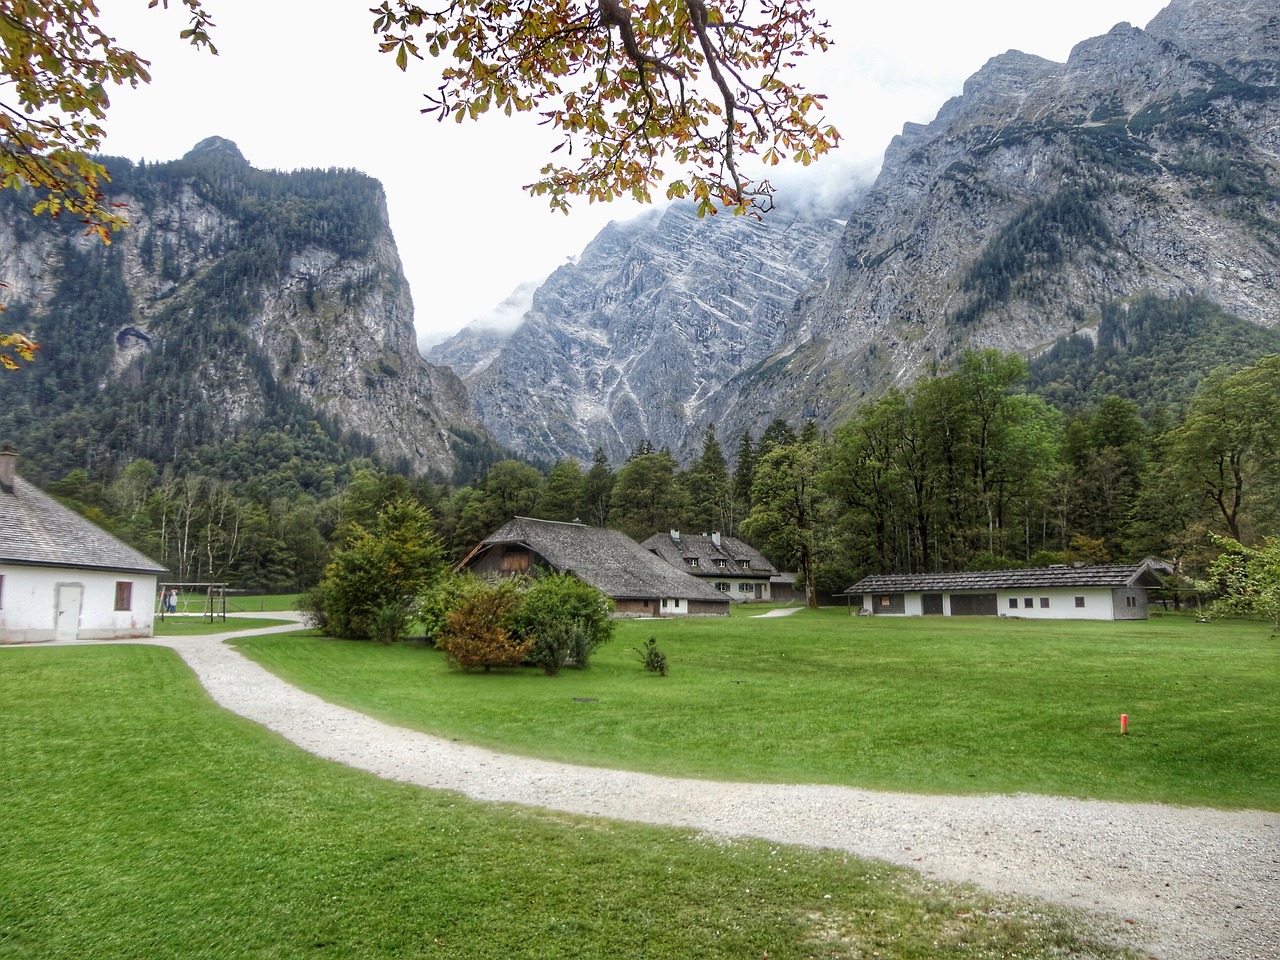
(639, 583)
(64, 578)
(1100, 592)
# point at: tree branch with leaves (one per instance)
(56, 66)
(630, 88)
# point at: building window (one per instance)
(1044, 603)
(1130, 601)
(692, 562)
(124, 595)
(721, 563)
(664, 603)
(1079, 601)
(744, 564)
(1028, 602)
(722, 587)
(746, 588)
(1013, 603)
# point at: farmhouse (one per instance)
(62, 577)
(726, 563)
(1107, 592)
(639, 583)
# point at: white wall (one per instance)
(28, 604)
(735, 591)
(1062, 605)
(1098, 604)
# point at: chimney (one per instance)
(715, 538)
(8, 456)
(675, 536)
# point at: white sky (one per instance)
(300, 83)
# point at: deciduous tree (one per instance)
(1247, 579)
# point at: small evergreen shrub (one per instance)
(390, 624)
(654, 660)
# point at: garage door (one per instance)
(973, 605)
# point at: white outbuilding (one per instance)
(62, 577)
(1103, 592)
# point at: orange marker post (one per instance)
(1124, 724)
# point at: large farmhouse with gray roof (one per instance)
(639, 583)
(734, 569)
(1104, 592)
(62, 577)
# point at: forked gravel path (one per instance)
(1187, 884)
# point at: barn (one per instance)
(1098, 592)
(62, 577)
(639, 583)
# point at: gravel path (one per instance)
(1191, 884)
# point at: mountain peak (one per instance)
(1250, 29)
(216, 148)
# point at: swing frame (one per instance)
(214, 606)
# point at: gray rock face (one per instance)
(1149, 161)
(331, 320)
(637, 339)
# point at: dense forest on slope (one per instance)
(158, 347)
(1151, 350)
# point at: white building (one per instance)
(733, 568)
(62, 577)
(1104, 592)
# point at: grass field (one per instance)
(955, 705)
(177, 625)
(142, 821)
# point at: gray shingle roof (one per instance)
(37, 530)
(707, 551)
(607, 559)
(1109, 575)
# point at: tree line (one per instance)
(963, 471)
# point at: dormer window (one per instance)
(692, 562)
(721, 563)
(744, 564)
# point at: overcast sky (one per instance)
(300, 83)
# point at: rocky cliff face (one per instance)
(636, 339)
(1146, 163)
(268, 284)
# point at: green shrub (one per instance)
(566, 619)
(384, 567)
(447, 593)
(390, 624)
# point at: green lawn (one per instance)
(177, 625)
(142, 821)
(955, 705)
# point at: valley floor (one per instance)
(1187, 884)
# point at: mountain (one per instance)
(633, 340)
(1146, 164)
(1045, 194)
(238, 300)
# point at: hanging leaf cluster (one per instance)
(56, 65)
(630, 88)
